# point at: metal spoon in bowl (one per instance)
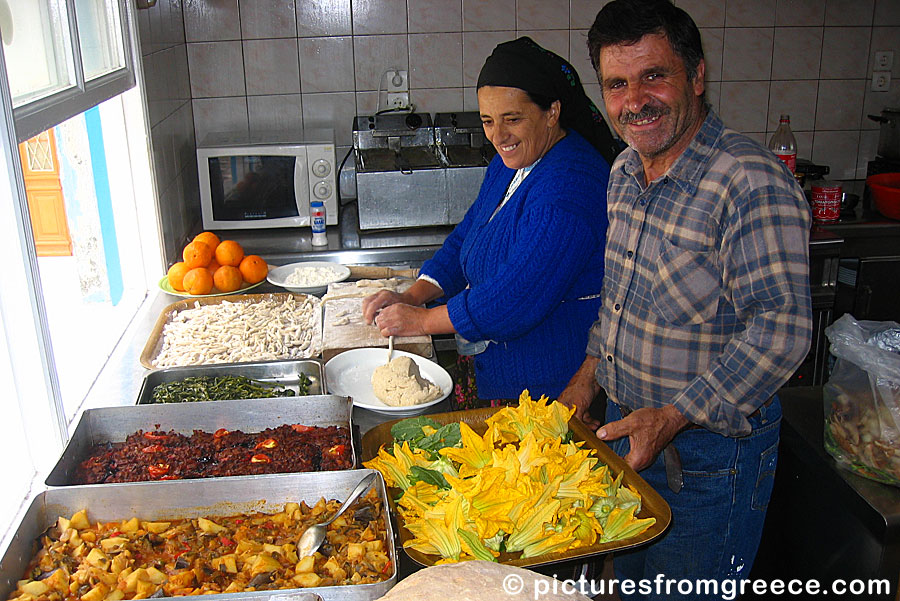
(314, 536)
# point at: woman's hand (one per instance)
(399, 319)
(374, 303)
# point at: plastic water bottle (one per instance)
(784, 144)
(317, 220)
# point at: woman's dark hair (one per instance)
(627, 21)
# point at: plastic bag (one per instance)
(862, 399)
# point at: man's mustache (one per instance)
(648, 111)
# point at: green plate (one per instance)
(167, 288)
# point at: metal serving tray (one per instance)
(652, 504)
(283, 373)
(113, 424)
(155, 341)
(196, 498)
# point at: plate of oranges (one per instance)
(213, 267)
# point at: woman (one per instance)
(521, 273)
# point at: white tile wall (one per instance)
(268, 19)
(375, 54)
(326, 64)
(797, 53)
(542, 14)
(427, 16)
(757, 13)
(271, 66)
(216, 69)
(748, 54)
(849, 12)
(324, 18)
(234, 66)
(283, 112)
(489, 15)
(428, 49)
(800, 12)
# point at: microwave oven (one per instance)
(266, 180)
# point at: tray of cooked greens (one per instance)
(225, 382)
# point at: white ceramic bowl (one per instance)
(350, 374)
(278, 276)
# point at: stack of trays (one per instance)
(206, 497)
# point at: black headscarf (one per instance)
(523, 64)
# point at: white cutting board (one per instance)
(345, 328)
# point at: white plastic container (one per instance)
(317, 221)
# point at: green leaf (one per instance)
(411, 428)
(446, 436)
(421, 474)
(478, 549)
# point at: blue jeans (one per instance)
(718, 516)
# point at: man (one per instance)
(706, 308)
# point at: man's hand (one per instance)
(649, 430)
(580, 392)
(373, 303)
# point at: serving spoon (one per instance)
(314, 536)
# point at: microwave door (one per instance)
(252, 188)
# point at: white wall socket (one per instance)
(881, 81)
(397, 81)
(884, 59)
(398, 100)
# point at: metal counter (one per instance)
(824, 522)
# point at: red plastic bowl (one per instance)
(885, 189)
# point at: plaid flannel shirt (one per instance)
(706, 301)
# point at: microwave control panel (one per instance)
(323, 178)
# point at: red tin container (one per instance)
(826, 201)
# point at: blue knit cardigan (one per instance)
(519, 279)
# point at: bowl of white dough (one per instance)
(308, 277)
(407, 385)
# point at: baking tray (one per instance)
(282, 373)
(154, 342)
(652, 504)
(113, 424)
(195, 498)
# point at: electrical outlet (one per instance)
(881, 81)
(398, 100)
(397, 81)
(884, 59)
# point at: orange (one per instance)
(208, 238)
(229, 252)
(254, 269)
(228, 278)
(176, 275)
(197, 254)
(213, 267)
(198, 281)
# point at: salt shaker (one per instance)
(317, 221)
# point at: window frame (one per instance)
(43, 113)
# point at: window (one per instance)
(72, 282)
(62, 58)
